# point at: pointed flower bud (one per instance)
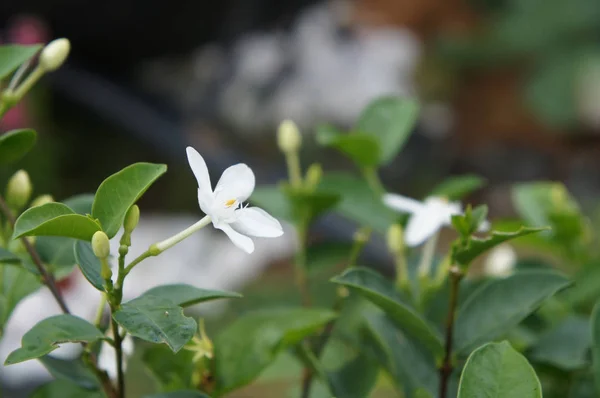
(54, 54)
(18, 190)
(395, 239)
(289, 138)
(42, 200)
(131, 219)
(313, 176)
(100, 245)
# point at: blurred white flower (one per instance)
(107, 359)
(225, 207)
(427, 217)
(500, 261)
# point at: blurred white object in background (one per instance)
(206, 259)
(500, 261)
(588, 92)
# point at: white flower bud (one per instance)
(500, 261)
(18, 190)
(54, 54)
(131, 219)
(42, 200)
(395, 239)
(100, 245)
(289, 138)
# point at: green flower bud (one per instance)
(100, 245)
(18, 190)
(131, 219)
(313, 175)
(289, 138)
(395, 239)
(42, 200)
(54, 54)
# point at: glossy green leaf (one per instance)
(186, 295)
(171, 371)
(358, 201)
(327, 255)
(595, 332)
(500, 304)
(247, 346)
(381, 292)
(15, 144)
(497, 370)
(55, 219)
(157, 320)
(73, 370)
(391, 120)
(45, 336)
(464, 255)
(178, 394)
(12, 56)
(457, 187)
(16, 283)
(65, 389)
(7, 257)
(89, 264)
(80, 204)
(361, 148)
(565, 346)
(120, 191)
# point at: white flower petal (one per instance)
(254, 221)
(241, 241)
(198, 166)
(402, 203)
(107, 360)
(421, 227)
(237, 182)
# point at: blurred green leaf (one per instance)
(45, 336)
(497, 370)
(56, 251)
(186, 295)
(7, 257)
(457, 187)
(15, 144)
(309, 205)
(390, 120)
(157, 320)
(178, 394)
(381, 292)
(272, 199)
(12, 56)
(363, 149)
(500, 304)
(54, 219)
(586, 287)
(120, 191)
(65, 389)
(16, 283)
(595, 322)
(171, 371)
(73, 370)
(326, 255)
(565, 346)
(80, 204)
(355, 378)
(247, 346)
(89, 264)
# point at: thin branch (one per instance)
(119, 350)
(447, 368)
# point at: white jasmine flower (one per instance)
(107, 360)
(500, 261)
(224, 206)
(428, 217)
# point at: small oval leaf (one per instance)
(497, 370)
(186, 295)
(54, 219)
(120, 191)
(12, 56)
(15, 144)
(89, 264)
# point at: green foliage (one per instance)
(118, 192)
(457, 187)
(595, 322)
(71, 370)
(16, 283)
(363, 149)
(185, 295)
(500, 304)
(325, 255)
(89, 264)
(12, 56)
(64, 389)
(45, 336)
(497, 370)
(355, 378)
(55, 219)
(172, 371)
(179, 394)
(16, 143)
(251, 343)
(157, 320)
(7, 257)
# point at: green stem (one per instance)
(300, 266)
(402, 278)
(119, 351)
(294, 171)
(427, 255)
(370, 174)
(100, 311)
(27, 84)
(447, 368)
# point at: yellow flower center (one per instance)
(230, 203)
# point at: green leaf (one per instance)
(171, 371)
(355, 378)
(309, 205)
(358, 201)
(565, 346)
(390, 120)
(120, 191)
(55, 219)
(7, 257)
(500, 304)
(157, 320)
(80, 204)
(382, 293)
(12, 56)
(275, 202)
(65, 389)
(178, 394)
(186, 295)
(457, 187)
(245, 348)
(56, 250)
(595, 322)
(361, 148)
(73, 370)
(16, 283)
(15, 144)
(45, 336)
(464, 255)
(497, 370)
(326, 255)
(89, 264)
